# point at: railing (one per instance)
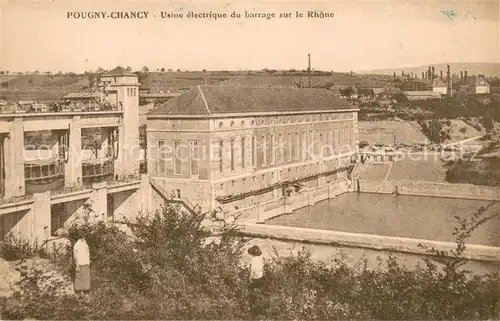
(61, 109)
(67, 190)
(121, 179)
(15, 199)
(284, 184)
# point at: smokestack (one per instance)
(448, 78)
(465, 75)
(433, 70)
(441, 74)
(461, 74)
(423, 75)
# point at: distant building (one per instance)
(472, 85)
(436, 85)
(240, 146)
(421, 95)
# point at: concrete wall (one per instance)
(433, 189)
(368, 241)
(262, 211)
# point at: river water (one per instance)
(422, 217)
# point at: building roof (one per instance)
(82, 95)
(206, 100)
(119, 71)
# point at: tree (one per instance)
(129, 68)
(99, 70)
(347, 92)
(163, 69)
(145, 69)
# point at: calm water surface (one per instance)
(404, 216)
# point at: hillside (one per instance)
(473, 68)
(53, 87)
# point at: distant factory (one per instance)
(431, 85)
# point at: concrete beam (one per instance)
(73, 167)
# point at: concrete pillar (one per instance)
(41, 217)
(99, 200)
(73, 167)
(14, 159)
(129, 152)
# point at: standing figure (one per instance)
(81, 256)
(256, 267)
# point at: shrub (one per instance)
(14, 248)
(169, 270)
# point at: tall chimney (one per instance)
(465, 75)
(461, 74)
(441, 74)
(448, 79)
(433, 71)
(423, 75)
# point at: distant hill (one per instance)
(473, 68)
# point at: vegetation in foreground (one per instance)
(168, 270)
(476, 170)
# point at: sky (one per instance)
(37, 35)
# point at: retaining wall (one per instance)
(433, 189)
(368, 241)
(284, 205)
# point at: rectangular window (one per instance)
(263, 142)
(273, 150)
(297, 146)
(329, 141)
(253, 152)
(289, 146)
(310, 144)
(337, 140)
(304, 145)
(231, 146)
(193, 157)
(162, 157)
(177, 157)
(280, 148)
(243, 152)
(221, 156)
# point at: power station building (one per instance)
(41, 189)
(237, 147)
(230, 148)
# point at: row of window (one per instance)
(288, 147)
(131, 92)
(179, 157)
(281, 148)
(288, 119)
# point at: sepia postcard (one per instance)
(249, 160)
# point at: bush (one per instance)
(169, 270)
(13, 248)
